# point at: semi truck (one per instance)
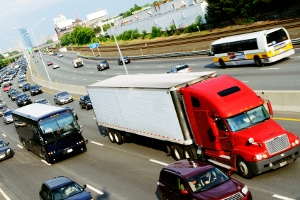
(199, 115)
(77, 62)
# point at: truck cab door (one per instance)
(224, 136)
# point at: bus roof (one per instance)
(37, 111)
(244, 36)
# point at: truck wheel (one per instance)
(119, 139)
(190, 152)
(111, 136)
(243, 168)
(177, 152)
(222, 63)
(258, 61)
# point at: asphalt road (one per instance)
(131, 170)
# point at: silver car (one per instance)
(7, 117)
(62, 98)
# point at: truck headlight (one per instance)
(260, 156)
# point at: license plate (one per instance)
(283, 163)
(69, 150)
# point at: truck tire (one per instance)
(190, 152)
(177, 152)
(111, 135)
(119, 139)
(258, 61)
(222, 63)
(243, 168)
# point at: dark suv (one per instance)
(35, 89)
(102, 65)
(191, 179)
(23, 100)
(85, 102)
(62, 187)
(181, 68)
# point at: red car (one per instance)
(6, 88)
(191, 179)
(49, 63)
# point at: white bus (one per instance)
(258, 48)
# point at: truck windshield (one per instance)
(247, 119)
(59, 126)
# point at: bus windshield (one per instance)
(59, 126)
(247, 119)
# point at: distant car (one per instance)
(21, 82)
(36, 61)
(62, 187)
(60, 55)
(62, 98)
(35, 89)
(55, 66)
(85, 102)
(191, 179)
(26, 87)
(49, 63)
(7, 117)
(181, 68)
(6, 88)
(3, 109)
(5, 150)
(14, 95)
(23, 100)
(102, 65)
(10, 91)
(42, 100)
(126, 60)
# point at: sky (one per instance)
(37, 15)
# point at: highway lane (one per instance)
(129, 171)
(283, 75)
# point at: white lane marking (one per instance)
(245, 81)
(94, 189)
(269, 68)
(99, 144)
(158, 162)
(44, 161)
(20, 146)
(281, 197)
(160, 66)
(4, 195)
(3, 135)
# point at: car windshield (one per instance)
(2, 144)
(66, 191)
(59, 126)
(247, 119)
(207, 180)
(62, 94)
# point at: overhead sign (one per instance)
(94, 45)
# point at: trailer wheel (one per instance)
(177, 152)
(111, 136)
(243, 168)
(119, 139)
(190, 152)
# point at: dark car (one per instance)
(102, 65)
(11, 91)
(42, 100)
(181, 68)
(14, 95)
(23, 100)
(85, 102)
(62, 98)
(3, 109)
(62, 187)
(35, 89)
(5, 150)
(191, 179)
(26, 87)
(126, 60)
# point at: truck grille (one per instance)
(278, 144)
(236, 196)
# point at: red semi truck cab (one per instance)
(232, 128)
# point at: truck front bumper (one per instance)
(276, 161)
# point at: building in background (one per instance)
(25, 38)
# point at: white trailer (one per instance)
(145, 105)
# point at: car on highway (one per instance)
(26, 87)
(102, 65)
(126, 60)
(181, 68)
(55, 66)
(10, 91)
(21, 82)
(5, 150)
(42, 100)
(62, 187)
(14, 95)
(192, 179)
(35, 89)
(6, 88)
(49, 63)
(62, 98)
(3, 109)
(85, 102)
(60, 55)
(23, 100)
(7, 117)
